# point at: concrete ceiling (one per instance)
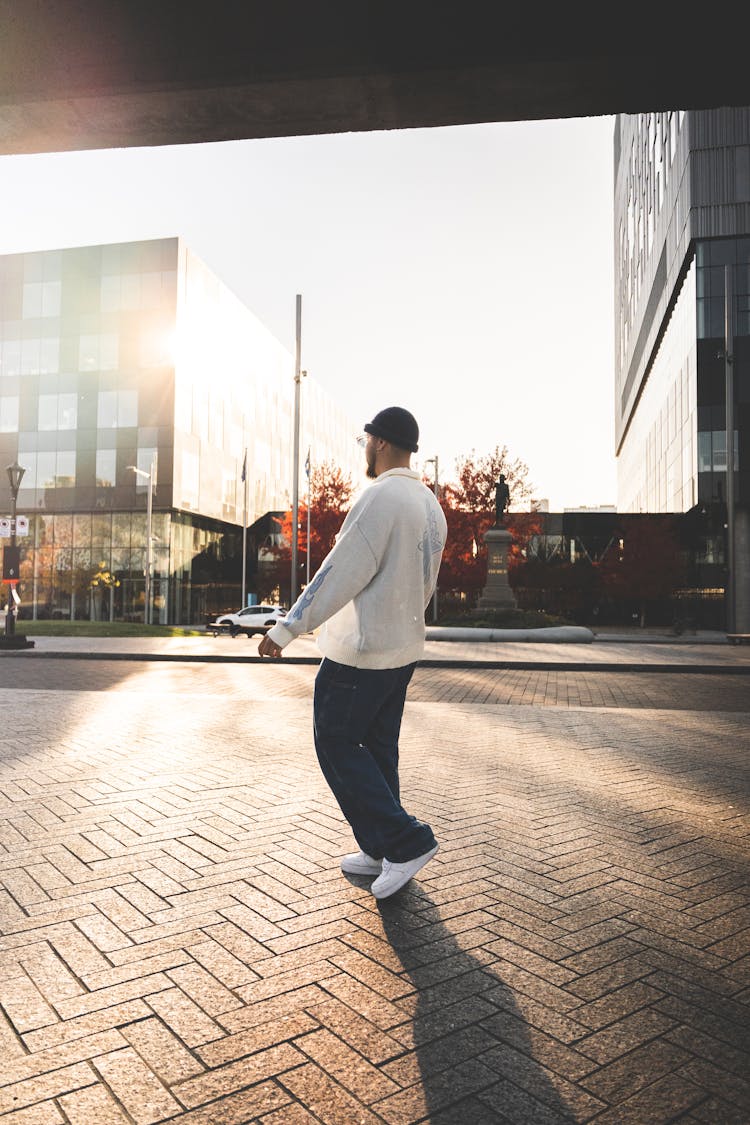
(79, 74)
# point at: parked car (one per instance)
(253, 619)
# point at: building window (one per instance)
(58, 412)
(9, 414)
(30, 357)
(145, 457)
(672, 137)
(41, 298)
(10, 357)
(190, 477)
(98, 353)
(712, 451)
(710, 317)
(49, 356)
(53, 470)
(106, 468)
(156, 347)
(117, 409)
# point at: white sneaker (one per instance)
(396, 874)
(360, 863)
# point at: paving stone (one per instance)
(184, 1017)
(24, 1004)
(346, 1066)
(254, 1039)
(67, 1031)
(237, 1075)
(72, 1051)
(265, 1011)
(579, 949)
(625, 1034)
(18, 1095)
(136, 1087)
(92, 1106)
(292, 1114)
(450, 1086)
(161, 1051)
(618, 1080)
(515, 1106)
(43, 1113)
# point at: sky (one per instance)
(465, 272)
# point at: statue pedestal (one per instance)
(497, 594)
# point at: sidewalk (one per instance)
(178, 944)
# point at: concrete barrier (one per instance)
(559, 634)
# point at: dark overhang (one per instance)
(79, 74)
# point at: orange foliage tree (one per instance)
(330, 500)
(469, 506)
(645, 564)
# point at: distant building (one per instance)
(121, 355)
(682, 213)
(595, 508)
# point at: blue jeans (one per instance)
(357, 717)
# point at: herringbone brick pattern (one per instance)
(177, 942)
(528, 687)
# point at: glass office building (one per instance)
(133, 355)
(682, 215)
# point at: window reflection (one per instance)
(106, 468)
(58, 412)
(98, 352)
(116, 409)
(10, 357)
(9, 414)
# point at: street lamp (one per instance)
(151, 478)
(436, 490)
(15, 476)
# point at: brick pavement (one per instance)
(690, 690)
(178, 944)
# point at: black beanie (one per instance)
(396, 425)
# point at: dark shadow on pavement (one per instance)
(471, 1059)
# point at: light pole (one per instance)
(731, 594)
(15, 476)
(436, 490)
(298, 377)
(309, 497)
(151, 478)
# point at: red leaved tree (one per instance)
(644, 564)
(330, 500)
(469, 506)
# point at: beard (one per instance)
(370, 459)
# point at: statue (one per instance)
(502, 499)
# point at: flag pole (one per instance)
(295, 455)
(307, 468)
(244, 529)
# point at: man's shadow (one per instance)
(473, 1060)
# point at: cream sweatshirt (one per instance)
(372, 589)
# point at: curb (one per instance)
(500, 665)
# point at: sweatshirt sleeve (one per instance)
(345, 571)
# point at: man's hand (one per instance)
(267, 647)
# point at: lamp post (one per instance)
(436, 490)
(731, 594)
(151, 478)
(298, 377)
(15, 476)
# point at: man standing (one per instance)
(370, 596)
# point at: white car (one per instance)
(253, 619)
